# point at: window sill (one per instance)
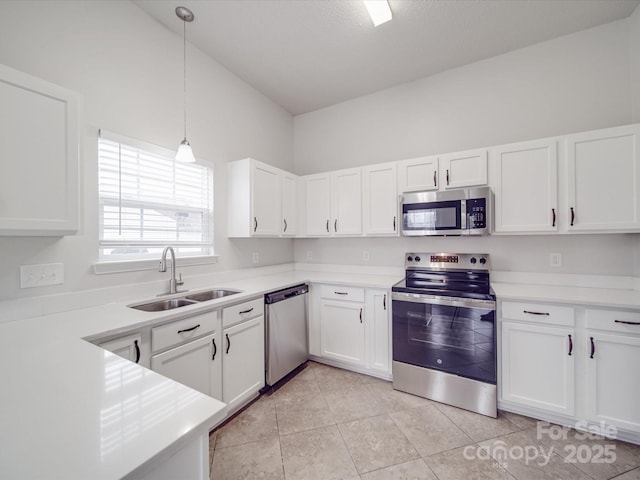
(102, 268)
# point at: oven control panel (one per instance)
(446, 261)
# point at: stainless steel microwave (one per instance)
(463, 211)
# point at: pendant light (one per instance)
(185, 154)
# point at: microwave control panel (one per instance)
(476, 213)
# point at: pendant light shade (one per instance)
(185, 154)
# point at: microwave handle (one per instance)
(463, 215)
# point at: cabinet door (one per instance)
(538, 366)
(526, 186)
(127, 347)
(613, 384)
(347, 201)
(243, 364)
(288, 224)
(463, 169)
(196, 364)
(603, 179)
(317, 204)
(39, 156)
(380, 200)
(342, 331)
(417, 174)
(266, 200)
(378, 326)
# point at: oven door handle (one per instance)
(439, 300)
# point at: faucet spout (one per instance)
(173, 282)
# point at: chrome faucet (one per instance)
(173, 282)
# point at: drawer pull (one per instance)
(593, 347)
(341, 293)
(626, 322)
(189, 329)
(536, 313)
(245, 311)
(135, 344)
(570, 345)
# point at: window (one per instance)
(147, 201)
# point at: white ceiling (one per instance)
(309, 54)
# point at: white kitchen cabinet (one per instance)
(377, 322)
(196, 364)
(525, 185)
(129, 346)
(463, 169)
(333, 203)
(254, 199)
(317, 190)
(380, 199)
(342, 331)
(289, 222)
(538, 366)
(418, 174)
(243, 362)
(612, 349)
(603, 180)
(39, 156)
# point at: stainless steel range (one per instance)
(444, 339)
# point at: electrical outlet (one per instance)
(41, 275)
(256, 257)
(309, 255)
(365, 255)
(555, 259)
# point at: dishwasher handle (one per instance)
(285, 294)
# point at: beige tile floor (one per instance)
(328, 423)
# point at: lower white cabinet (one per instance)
(196, 364)
(349, 327)
(129, 346)
(342, 331)
(538, 366)
(613, 354)
(243, 363)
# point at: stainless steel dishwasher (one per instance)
(286, 331)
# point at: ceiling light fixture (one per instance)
(379, 11)
(185, 154)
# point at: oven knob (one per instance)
(473, 260)
(409, 259)
(483, 260)
(417, 259)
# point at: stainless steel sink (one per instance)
(162, 305)
(211, 294)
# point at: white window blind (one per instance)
(148, 200)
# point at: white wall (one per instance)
(574, 83)
(129, 70)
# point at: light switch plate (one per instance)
(41, 275)
(555, 259)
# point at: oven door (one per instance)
(450, 334)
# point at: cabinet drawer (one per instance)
(539, 313)
(177, 332)
(340, 292)
(614, 320)
(243, 311)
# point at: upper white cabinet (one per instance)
(463, 169)
(380, 199)
(256, 200)
(333, 203)
(525, 185)
(418, 174)
(289, 188)
(39, 156)
(603, 180)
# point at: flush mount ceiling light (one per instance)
(185, 154)
(379, 11)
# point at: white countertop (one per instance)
(72, 410)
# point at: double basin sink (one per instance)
(191, 299)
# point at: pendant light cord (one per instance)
(184, 83)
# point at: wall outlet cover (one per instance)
(41, 275)
(555, 259)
